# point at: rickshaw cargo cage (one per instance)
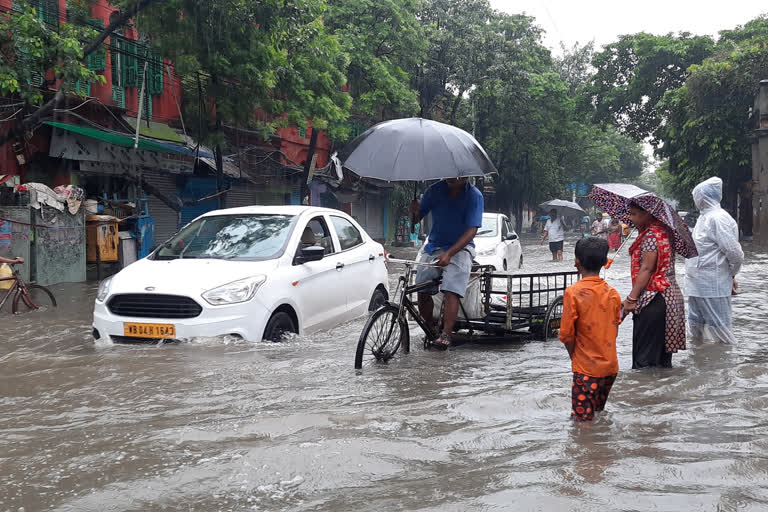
(512, 306)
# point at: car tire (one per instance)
(520, 265)
(378, 299)
(280, 323)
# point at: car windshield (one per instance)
(489, 228)
(251, 237)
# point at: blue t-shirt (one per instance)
(451, 217)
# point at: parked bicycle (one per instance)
(26, 295)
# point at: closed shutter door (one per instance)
(166, 220)
(241, 194)
(373, 222)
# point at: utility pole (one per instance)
(760, 167)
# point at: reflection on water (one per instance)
(224, 425)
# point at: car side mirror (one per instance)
(312, 253)
(511, 236)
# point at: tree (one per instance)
(709, 127)
(278, 58)
(382, 39)
(634, 73)
(36, 63)
(575, 65)
(29, 48)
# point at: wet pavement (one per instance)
(225, 425)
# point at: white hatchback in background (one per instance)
(254, 272)
(497, 244)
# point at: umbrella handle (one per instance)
(610, 260)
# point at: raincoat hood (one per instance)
(708, 194)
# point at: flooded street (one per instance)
(226, 425)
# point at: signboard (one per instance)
(72, 146)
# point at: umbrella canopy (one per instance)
(415, 149)
(614, 198)
(563, 207)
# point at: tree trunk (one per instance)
(220, 176)
(308, 162)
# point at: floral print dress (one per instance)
(656, 239)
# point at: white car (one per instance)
(255, 272)
(496, 244)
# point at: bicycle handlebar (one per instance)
(410, 262)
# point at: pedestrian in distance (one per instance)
(457, 213)
(710, 277)
(588, 328)
(655, 300)
(614, 235)
(554, 230)
(595, 227)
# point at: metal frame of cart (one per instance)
(512, 307)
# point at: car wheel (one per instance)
(520, 265)
(504, 265)
(279, 325)
(377, 300)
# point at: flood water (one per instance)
(225, 425)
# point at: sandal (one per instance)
(443, 341)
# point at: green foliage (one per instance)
(709, 126)
(30, 47)
(381, 38)
(633, 74)
(273, 55)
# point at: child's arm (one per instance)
(567, 332)
(11, 261)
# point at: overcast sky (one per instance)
(603, 20)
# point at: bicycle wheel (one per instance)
(33, 296)
(552, 319)
(382, 336)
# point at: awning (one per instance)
(155, 130)
(229, 166)
(125, 141)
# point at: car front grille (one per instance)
(145, 305)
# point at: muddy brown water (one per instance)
(225, 425)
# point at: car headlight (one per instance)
(487, 252)
(235, 292)
(104, 287)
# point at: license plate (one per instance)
(149, 330)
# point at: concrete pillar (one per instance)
(760, 167)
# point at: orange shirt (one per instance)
(591, 313)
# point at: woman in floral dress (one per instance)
(655, 299)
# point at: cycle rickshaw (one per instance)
(497, 307)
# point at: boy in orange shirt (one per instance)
(589, 326)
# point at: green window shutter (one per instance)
(156, 75)
(118, 96)
(48, 11)
(36, 79)
(131, 68)
(115, 62)
(97, 61)
(82, 89)
(146, 113)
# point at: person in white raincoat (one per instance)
(710, 277)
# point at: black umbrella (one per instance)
(415, 149)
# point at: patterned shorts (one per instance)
(588, 395)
